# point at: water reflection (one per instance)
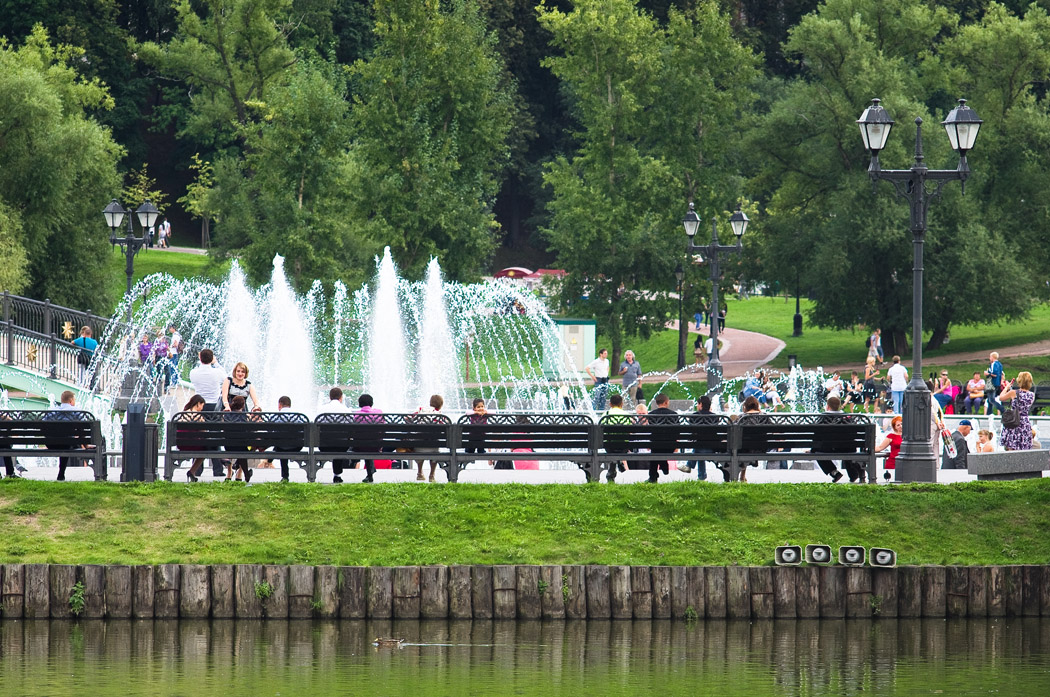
(778, 657)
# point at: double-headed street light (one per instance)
(713, 251)
(918, 460)
(147, 214)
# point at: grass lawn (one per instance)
(828, 347)
(151, 261)
(678, 523)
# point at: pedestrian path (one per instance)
(742, 351)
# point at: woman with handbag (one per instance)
(1017, 429)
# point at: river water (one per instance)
(659, 657)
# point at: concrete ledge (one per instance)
(1010, 464)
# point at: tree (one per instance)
(431, 116)
(821, 214)
(654, 106)
(50, 201)
(230, 53)
(288, 195)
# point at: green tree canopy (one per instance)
(57, 172)
(431, 116)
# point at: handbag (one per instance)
(1011, 418)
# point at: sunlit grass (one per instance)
(394, 524)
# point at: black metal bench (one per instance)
(557, 437)
(1042, 397)
(54, 433)
(377, 436)
(236, 435)
(805, 437)
(625, 436)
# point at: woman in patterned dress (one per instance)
(1020, 391)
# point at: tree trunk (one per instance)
(898, 343)
(940, 333)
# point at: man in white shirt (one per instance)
(207, 379)
(834, 385)
(336, 406)
(898, 376)
(598, 369)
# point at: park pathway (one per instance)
(742, 352)
(1035, 348)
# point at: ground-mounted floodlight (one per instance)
(878, 556)
(818, 554)
(851, 556)
(788, 555)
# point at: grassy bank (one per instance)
(677, 523)
(828, 347)
(151, 261)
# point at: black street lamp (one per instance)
(797, 324)
(129, 244)
(713, 252)
(683, 329)
(917, 461)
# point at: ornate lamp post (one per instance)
(129, 244)
(713, 251)
(683, 330)
(918, 460)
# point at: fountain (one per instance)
(399, 340)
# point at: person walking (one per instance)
(898, 376)
(870, 391)
(875, 345)
(1020, 392)
(631, 370)
(995, 379)
(86, 347)
(598, 371)
(175, 348)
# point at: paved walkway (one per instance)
(1035, 348)
(741, 352)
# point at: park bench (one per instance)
(633, 437)
(1042, 397)
(236, 435)
(54, 433)
(378, 436)
(1008, 464)
(557, 437)
(805, 437)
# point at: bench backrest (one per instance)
(665, 432)
(828, 433)
(340, 432)
(56, 428)
(217, 430)
(537, 432)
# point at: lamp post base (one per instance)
(917, 461)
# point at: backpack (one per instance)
(83, 357)
(867, 342)
(180, 348)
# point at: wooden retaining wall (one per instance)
(243, 591)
